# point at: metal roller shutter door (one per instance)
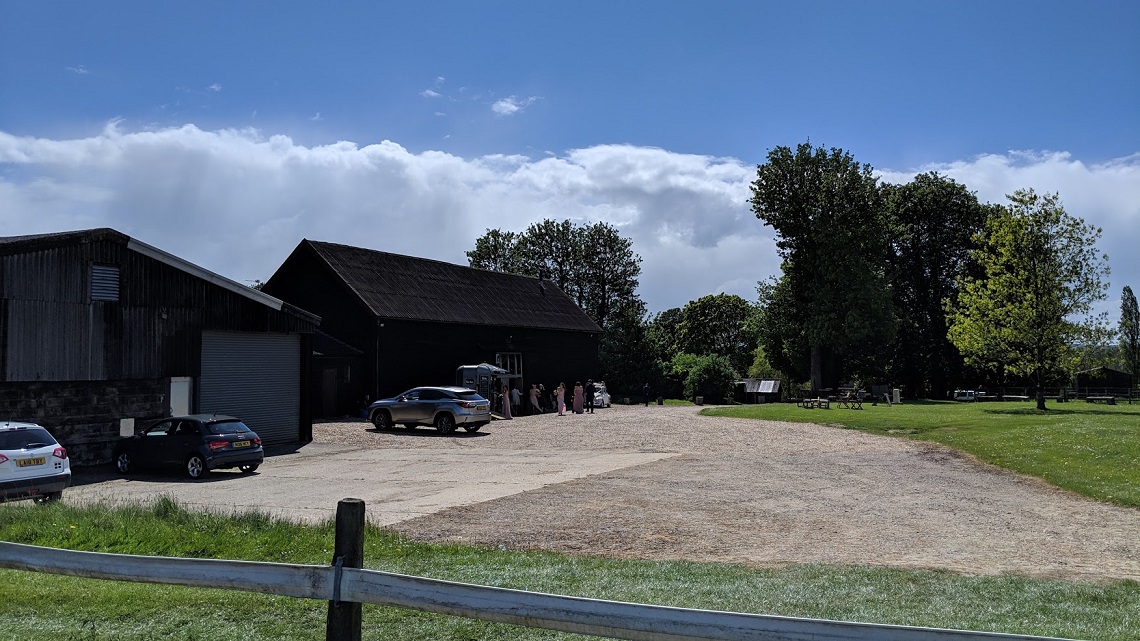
(255, 377)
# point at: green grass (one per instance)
(1090, 449)
(42, 606)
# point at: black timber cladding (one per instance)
(96, 320)
(416, 320)
(53, 328)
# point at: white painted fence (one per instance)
(567, 614)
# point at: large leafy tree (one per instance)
(834, 297)
(593, 264)
(933, 221)
(1130, 332)
(718, 324)
(1031, 306)
(627, 357)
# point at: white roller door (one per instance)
(255, 377)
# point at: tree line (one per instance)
(918, 285)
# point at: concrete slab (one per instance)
(395, 484)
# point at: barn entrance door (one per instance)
(255, 377)
(181, 393)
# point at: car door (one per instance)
(182, 441)
(405, 408)
(150, 446)
(424, 406)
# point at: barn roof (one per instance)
(410, 288)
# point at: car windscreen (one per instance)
(228, 427)
(470, 395)
(23, 439)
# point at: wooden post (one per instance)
(344, 618)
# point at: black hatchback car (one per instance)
(197, 444)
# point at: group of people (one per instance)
(539, 401)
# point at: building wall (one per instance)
(84, 415)
(50, 329)
(419, 353)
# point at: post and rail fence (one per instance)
(346, 586)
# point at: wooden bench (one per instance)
(817, 403)
(1107, 400)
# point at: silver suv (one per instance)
(444, 407)
(33, 465)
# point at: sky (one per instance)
(226, 132)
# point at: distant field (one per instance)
(1091, 449)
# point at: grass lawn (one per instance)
(1088, 448)
(50, 607)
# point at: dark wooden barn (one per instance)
(416, 320)
(99, 331)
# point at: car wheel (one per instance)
(50, 497)
(382, 420)
(123, 463)
(472, 428)
(196, 467)
(445, 423)
(248, 469)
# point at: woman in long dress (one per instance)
(560, 399)
(578, 397)
(506, 403)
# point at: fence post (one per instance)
(344, 618)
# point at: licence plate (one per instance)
(241, 443)
(28, 462)
(482, 408)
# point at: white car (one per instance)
(601, 396)
(33, 465)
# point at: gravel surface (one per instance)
(768, 493)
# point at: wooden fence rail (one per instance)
(339, 584)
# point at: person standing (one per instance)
(560, 399)
(516, 397)
(590, 389)
(534, 408)
(645, 393)
(542, 399)
(506, 403)
(577, 397)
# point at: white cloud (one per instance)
(316, 117)
(511, 105)
(428, 93)
(78, 69)
(238, 201)
(216, 87)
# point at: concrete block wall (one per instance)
(84, 416)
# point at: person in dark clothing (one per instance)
(645, 393)
(590, 389)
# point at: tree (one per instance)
(717, 324)
(1030, 308)
(627, 358)
(1130, 333)
(592, 264)
(933, 221)
(710, 376)
(834, 297)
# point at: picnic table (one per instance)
(851, 398)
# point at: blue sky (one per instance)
(225, 132)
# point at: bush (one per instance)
(708, 376)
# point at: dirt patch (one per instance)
(767, 493)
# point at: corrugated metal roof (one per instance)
(409, 288)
